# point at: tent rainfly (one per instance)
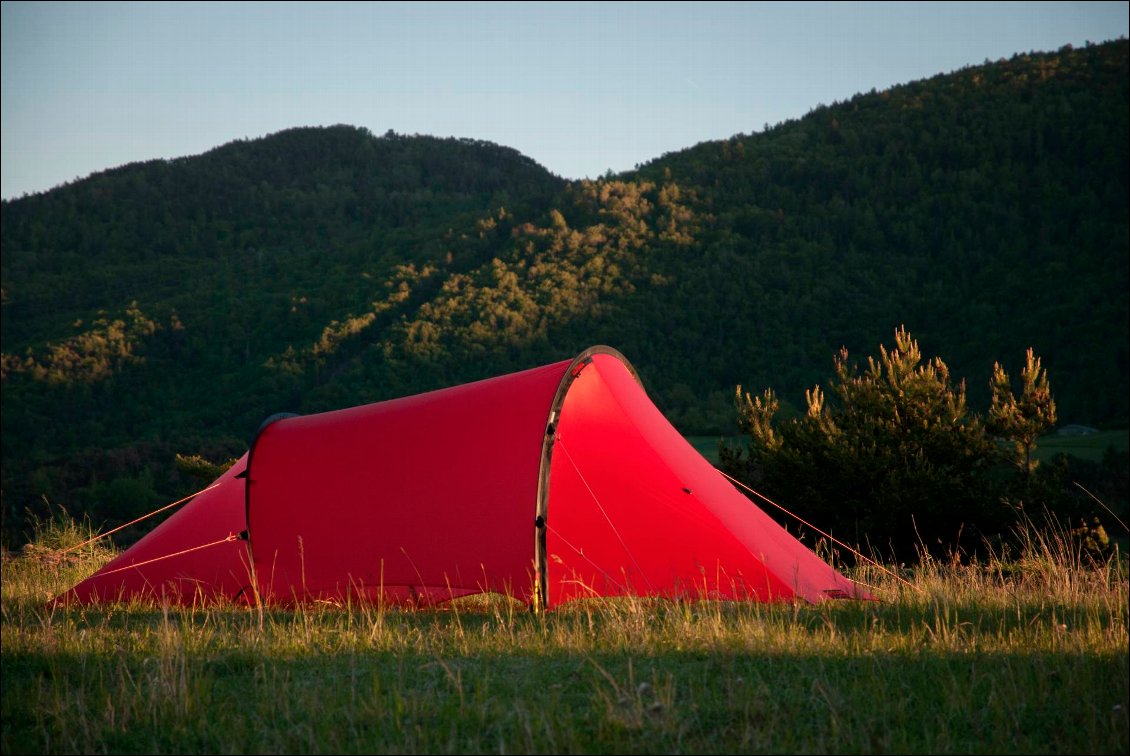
(550, 484)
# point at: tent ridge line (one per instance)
(541, 506)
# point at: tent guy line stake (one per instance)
(606, 517)
(231, 537)
(818, 530)
(139, 519)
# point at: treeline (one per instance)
(167, 307)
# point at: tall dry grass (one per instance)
(1024, 652)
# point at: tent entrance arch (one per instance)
(541, 513)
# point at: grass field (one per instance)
(1024, 656)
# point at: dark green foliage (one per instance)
(893, 460)
(168, 307)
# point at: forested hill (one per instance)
(985, 209)
(153, 231)
(167, 307)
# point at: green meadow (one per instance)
(1027, 654)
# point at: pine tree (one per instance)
(1022, 419)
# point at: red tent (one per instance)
(555, 483)
(180, 559)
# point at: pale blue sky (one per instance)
(579, 87)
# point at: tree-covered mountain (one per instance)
(168, 307)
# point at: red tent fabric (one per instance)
(169, 563)
(418, 499)
(550, 484)
(635, 509)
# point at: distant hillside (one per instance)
(986, 210)
(167, 307)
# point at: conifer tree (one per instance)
(1022, 419)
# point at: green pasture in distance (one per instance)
(1091, 446)
(707, 446)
